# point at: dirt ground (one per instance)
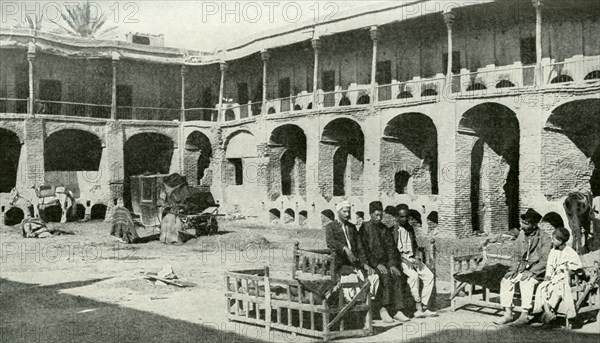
(87, 287)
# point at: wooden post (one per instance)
(264, 55)
(538, 42)
(223, 67)
(375, 39)
(113, 104)
(316, 44)
(30, 59)
(449, 20)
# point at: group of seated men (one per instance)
(541, 264)
(382, 254)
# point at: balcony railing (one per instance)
(577, 70)
(358, 96)
(71, 109)
(414, 91)
(148, 113)
(12, 105)
(201, 114)
(494, 81)
(236, 111)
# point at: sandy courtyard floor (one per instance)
(87, 287)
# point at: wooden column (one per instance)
(224, 67)
(449, 20)
(264, 55)
(538, 42)
(375, 39)
(183, 72)
(30, 59)
(316, 44)
(113, 104)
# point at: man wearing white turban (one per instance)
(344, 243)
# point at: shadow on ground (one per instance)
(34, 313)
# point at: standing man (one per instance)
(380, 256)
(405, 243)
(529, 264)
(344, 243)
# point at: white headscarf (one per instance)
(341, 205)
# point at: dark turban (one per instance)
(391, 210)
(531, 216)
(554, 219)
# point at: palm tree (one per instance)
(34, 23)
(80, 22)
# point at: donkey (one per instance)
(41, 200)
(579, 207)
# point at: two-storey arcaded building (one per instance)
(467, 111)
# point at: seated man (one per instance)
(406, 248)
(531, 254)
(379, 255)
(342, 240)
(555, 287)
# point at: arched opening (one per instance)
(401, 181)
(198, 154)
(410, 144)
(571, 149)
(229, 115)
(505, 84)
(271, 110)
(239, 151)
(69, 157)
(98, 212)
(561, 79)
(290, 216)
(10, 152)
(594, 75)
(302, 218)
(327, 216)
(476, 87)
(146, 153)
(345, 101)
(492, 132)
(432, 221)
(297, 107)
(287, 161)
(13, 216)
(363, 99)
(274, 215)
(404, 95)
(309, 107)
(341, 159)
(429, 92)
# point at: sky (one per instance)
(195, 25)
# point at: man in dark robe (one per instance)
(380, 256)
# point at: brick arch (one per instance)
(287, 161)
(170, 131)
(410, 144)
(15, 128)
(197, 158)
(489, 149)
(209, 135)
(54, 127)
(10, 155)
(324, 122)
(571, 149)
(234, 133)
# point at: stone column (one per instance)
(264, 55)
(372, 158)
(224, 67)
(34, 146)
(113, 104)
(115, 142)
(375, 39)
(316, 44)
(30, 59)
(449, 20)
(538, 42)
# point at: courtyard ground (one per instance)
(87, 287)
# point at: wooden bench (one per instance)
(584, 285)
(310, 303)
